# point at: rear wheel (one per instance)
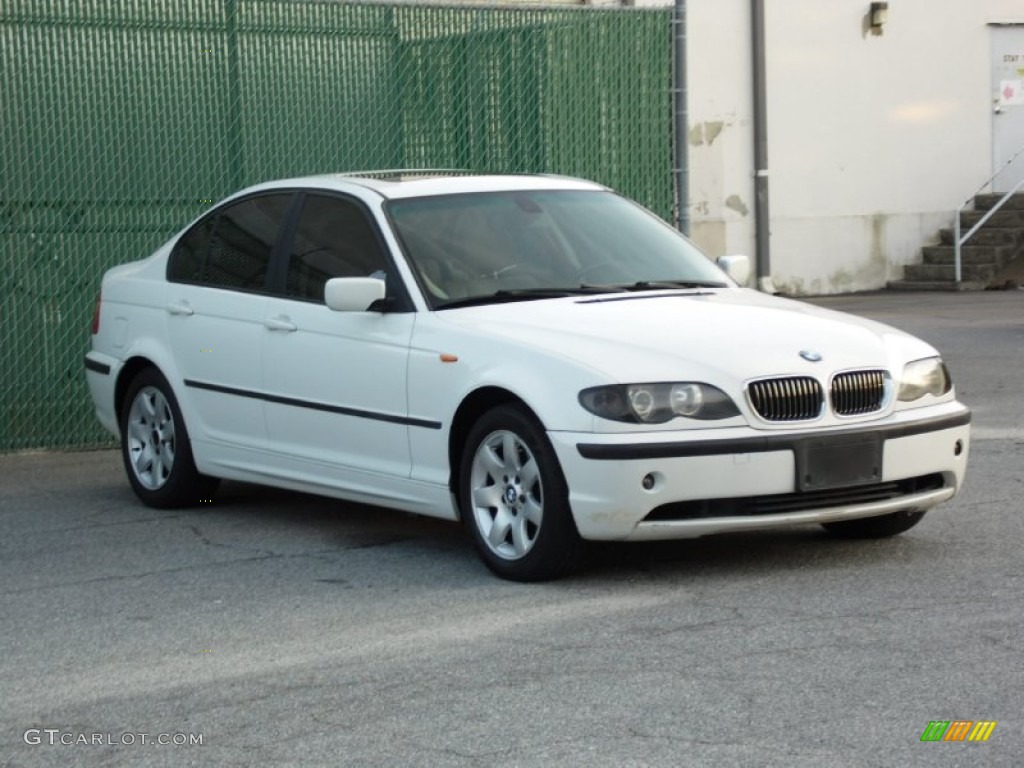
(155, 446)
(875, 527)
(514, 499)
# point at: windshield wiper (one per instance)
(528, 294)
(658, 285)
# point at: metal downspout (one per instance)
(762, 220)
(681, 171)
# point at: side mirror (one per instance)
(353, 294)
(737, 267)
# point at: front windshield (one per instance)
(535, 242)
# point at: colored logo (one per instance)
(810, 356)
(958, 730)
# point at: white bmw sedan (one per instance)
(535, 356)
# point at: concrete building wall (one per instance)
(873, 140)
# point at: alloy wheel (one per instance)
(507, 495)
(150, 437)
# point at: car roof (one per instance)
(394, 184)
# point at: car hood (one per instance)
(735, 334)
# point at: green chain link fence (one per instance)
(121, 120)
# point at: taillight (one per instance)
(96, 316)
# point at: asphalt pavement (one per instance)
(278, 628)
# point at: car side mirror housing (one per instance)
(353, 294)
(737, 267)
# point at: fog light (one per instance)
(648, 482)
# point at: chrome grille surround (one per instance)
(786, 398)
(855, 393)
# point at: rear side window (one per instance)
(232, 248)
(186, 263)
(334, 238)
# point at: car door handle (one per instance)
(280, 323)
(179, 308)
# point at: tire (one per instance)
(514, 499)
(155, 446)
(878, 527)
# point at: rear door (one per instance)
(217, 296)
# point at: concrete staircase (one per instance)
(983, 259)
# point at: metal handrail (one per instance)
(959, 241)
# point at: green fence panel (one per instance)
(122, 121)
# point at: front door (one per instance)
(1008, 117)
(335, 382)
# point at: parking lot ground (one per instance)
(284, 629)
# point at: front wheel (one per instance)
(514, 499)
(155, 446)
(878, 527)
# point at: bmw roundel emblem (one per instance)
(810, 356)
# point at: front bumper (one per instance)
(609, 500)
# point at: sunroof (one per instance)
(413, 174)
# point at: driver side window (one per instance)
(334, 238)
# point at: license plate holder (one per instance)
(838, 461)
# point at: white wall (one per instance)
(873, 140)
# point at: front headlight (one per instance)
(924, 377)
(658, 403)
